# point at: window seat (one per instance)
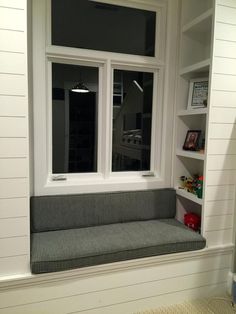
(74, 231)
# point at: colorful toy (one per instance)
(192, 185)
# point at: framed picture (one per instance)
(198, 93)
(192, 140)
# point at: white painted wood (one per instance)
(13, 168)
(218, 223)
(11, 106)
(223, 192)
(225, 31)
(223, 99)
(221, 162)
(221, 177)
(225, 66)
(230, 3)
(226, 15)
(163, 300)
(13, 227)
(12, 19)
(224, 82)
(14, 246)
(223, 115)
(222, 130)
(221, 147)
(199, 23)
(12, 84)
(14, 265)
(14, 63)
(14, 207)
(123, 294)
(12, 41)
(13, 127)
(13, 147)
(189, 196)
(10, 188)
(219, 237)
(226, 49)
(214, 208)
(17, 4)
(192, 112)
(189, 154)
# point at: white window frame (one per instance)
(44, 54)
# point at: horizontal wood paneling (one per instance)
(12, 19)
(226, 49)
(13, 168)
(220, 177)
(14, 63)
(112, 280)
(221, 147)
(123, 294)
(226, 15)
(13, 227)
(12, 41)
(213, 208)
(10, 188)
(224, 192)
(224, 82)
(12, 84)
(13, 147)
(13, 126)
(18, 4)
(14, 265)
(219, 237)
(218, 222)
(221, 162)
(14, 246)
(13, 106)
(225, 31)
(223, 115)
(225, 66)
(222, 130)
(14, 207)
(223, 99)
(230, 3)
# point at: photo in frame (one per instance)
(192, 140)
(198, 93)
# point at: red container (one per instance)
(193, 221)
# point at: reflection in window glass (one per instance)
(99, 26)
(132, 120)
(74, 118)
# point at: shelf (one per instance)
(189, 196)
(200, 24)
(192, 112)
(202, 66)
(189, 154)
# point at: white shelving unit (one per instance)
(195, 62)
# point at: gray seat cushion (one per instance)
(68, 249)
(78, 211)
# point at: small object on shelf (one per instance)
(198, 93)
(192, 221)
(191, 140)
(192, 185)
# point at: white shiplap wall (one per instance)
(14, 159)
(221, 150)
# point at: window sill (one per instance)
(96, 184)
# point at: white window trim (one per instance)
(44, 53)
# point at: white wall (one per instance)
(14, 157)
(221, 144)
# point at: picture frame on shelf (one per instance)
(192, 140)
(198, 93)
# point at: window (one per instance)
(98, 111)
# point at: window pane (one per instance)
(74, 118)
(98, 26)
(132, 120)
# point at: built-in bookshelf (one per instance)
(194, 63)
